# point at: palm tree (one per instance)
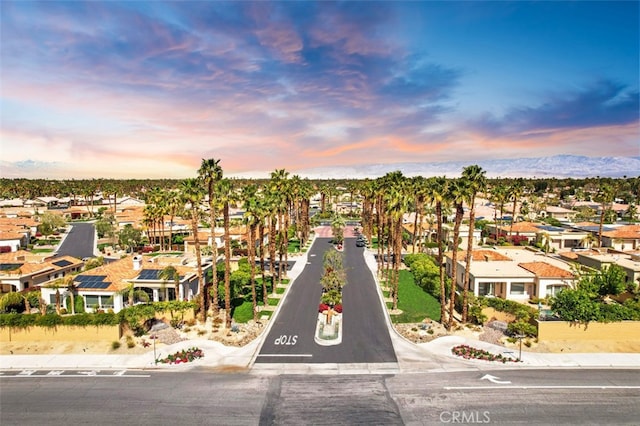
(252, 216)
(476, 181)
(605, 195)
(515, 192)
(397, 204)
(226, 194)
(437, 194)
(210, 173)
(170, 273)
(192, 194)
(63, 282)
(132, 293)
(419, 191)
(458, 192)
(499, 196)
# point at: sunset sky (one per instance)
(147, 89)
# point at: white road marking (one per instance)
(494, 379)
(286, 355)
(541, 387)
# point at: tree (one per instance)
(227, 197)
(337, 229)
(130, 237)
(170, 273)
(211, 173)
(192, 195)
(476, 182)
(515, 193)
(437, 194)
(50, 223)
(252, 216)
(133, 294)
(605, 196)
(458, 192)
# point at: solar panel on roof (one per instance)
(10, 266)
(62, 263)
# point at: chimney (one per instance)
(137, 263)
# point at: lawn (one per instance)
(41, 250)
(415, 304)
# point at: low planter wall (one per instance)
(69, 333)
(491, 313)
(613, 331)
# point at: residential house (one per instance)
(560, 213)
(511, 273)
(622, 238)
(602, 258)
(22, 270)
(107, 287)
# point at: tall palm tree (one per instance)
(605, 196)
(437, 190)
(193, 194)
(210, 173)
(458, 191)
(252, 216)
(397, 205)
(516, 189)
(499, 196)
(476, 182)
(226, 194)
(419, 191)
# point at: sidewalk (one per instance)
(412, 358)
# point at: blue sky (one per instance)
(148, 89)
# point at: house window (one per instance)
(92, 301)
(517, 288)
(553, 290)
(106, 301)
(486, 289)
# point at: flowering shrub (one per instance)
(323, 307)
(180, 357)
(338, 308)
(467, 352)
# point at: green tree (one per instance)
(211, 173)
(476, 182)
(192, 196)
(130, 238)
(170, 273)
(50, 223)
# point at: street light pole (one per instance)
(155, 358)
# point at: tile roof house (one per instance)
(622, 238)
(106, 287)
(21, 270)
(514, 274)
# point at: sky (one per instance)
(109, 89)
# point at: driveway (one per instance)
(365, 335)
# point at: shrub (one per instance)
(338, 308)
(130, 342)
(468, 352)
(187, 355)
(115, 345)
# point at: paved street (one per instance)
(365, 336)
(539, 397)
(79, 241)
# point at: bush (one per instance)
(115, 345)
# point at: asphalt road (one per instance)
(365, 335)
(538, 397)
(79, 242)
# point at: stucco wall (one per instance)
(68, 333)
(617, 331)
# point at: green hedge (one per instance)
(53, 320)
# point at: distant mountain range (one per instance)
(559, 166)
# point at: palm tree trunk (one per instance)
(227, 265)
(468, 258)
